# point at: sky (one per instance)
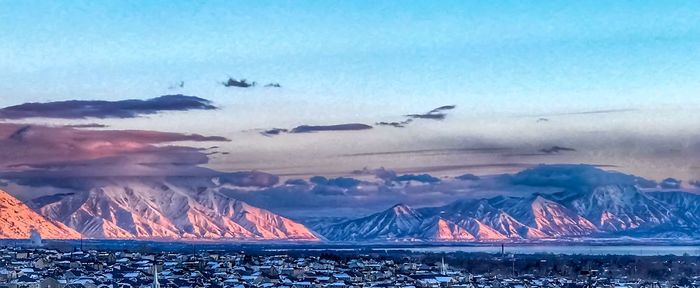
(609, 84)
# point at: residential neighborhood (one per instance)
(38, 267)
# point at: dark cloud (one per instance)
(432, 116)
(243, 83)
(443, 108)
(423, 178)
(339, 127)
(80, 109)
(400, 124)
(556, 149)
(390, 176)
(342, 182)
(315, 128)
(89, 125)
(435, 114)
(670, 183)
(468, 177)
(274, 131)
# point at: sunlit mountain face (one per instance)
(350, 122)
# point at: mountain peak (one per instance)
(403, 209)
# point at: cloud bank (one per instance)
(35, 150)
(81, 109)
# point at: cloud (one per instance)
(249, 179)
(438, 151)
(274, 131)
(443, 108)
(315, 128)
(381, 173)
(34, 150)
(400, 124)
(81, 109)
(556, 149)
(323, 128)
(468, 177)
(435, 114)
(342, 182)
(423, 178)
(695, 183)
(670, 183)
(390, 176)
(344, 196)
(243, 83)
(89, 125)
(589, 112)
(570, 176)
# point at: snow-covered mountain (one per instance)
(603, 211)
(563, 201)
(189, 208)
(396, 222)
(17, 221)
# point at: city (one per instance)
(45, 267)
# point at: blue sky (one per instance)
(503, 63)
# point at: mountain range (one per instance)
(606, 211)
(585, 203)
(147, 208)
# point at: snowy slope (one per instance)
(619, 207)
(17, 221)
(396, 222)
(159, 208)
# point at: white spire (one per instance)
(443, 270)
(155, 276)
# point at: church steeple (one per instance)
(155, 276)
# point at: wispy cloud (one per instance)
(316, 128)
(494, 150)
(556, 149)
(399, 124)
(435, 114)
(322, 128)
(589, 112)
(88, 125)
(81, 109)
(438, 113)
